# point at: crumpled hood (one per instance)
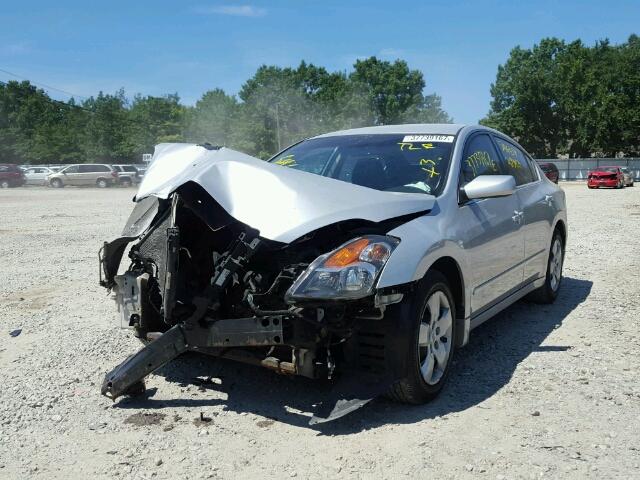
(282, 203)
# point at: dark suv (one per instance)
(11, 176)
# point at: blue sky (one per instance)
(190, 47)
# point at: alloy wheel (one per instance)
(555, 264)
(434, 338)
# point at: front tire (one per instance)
(548, 292)
(5, 184)
(57, 183)
(431, 344)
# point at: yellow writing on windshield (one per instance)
(286, 161)
(412, 146)
(428, 166)
(409, 146)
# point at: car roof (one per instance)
(415, 128)
(75, 164)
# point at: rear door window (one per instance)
(515, 162)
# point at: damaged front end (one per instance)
(200, 279)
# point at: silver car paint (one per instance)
(282, 203)
(494, 253)
(486, 186)
(37, 175)
(499, 244)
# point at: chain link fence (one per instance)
(578, 168)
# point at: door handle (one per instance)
(517, 216)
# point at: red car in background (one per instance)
(550, 171)
(11, 176)
(605, 177)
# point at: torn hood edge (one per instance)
(282, 203)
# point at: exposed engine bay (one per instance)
(200, 280)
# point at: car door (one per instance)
(536, 202)
(86, 175)
(39, 175)
(30, 176)
(489, 229)
(70, 175)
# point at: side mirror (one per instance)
(489, 186)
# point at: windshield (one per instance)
(389, 162)
(608, 169)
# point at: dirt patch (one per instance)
(265, 423)
(145, 419)
(203, 420)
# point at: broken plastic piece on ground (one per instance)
(15, 333)
(353, 390)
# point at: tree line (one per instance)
(561, 98)
(556, 98)
(276, 107)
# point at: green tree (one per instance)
(559, 98)
(212, 118)
(395, 92)
(154, 120)
(525, 102)
(108, 132)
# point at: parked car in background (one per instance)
(142, 169)
(550, 171)
(37, 175)
(605, 177)
(11, 175)
(628, 176)
(85, 174)
(127, 175)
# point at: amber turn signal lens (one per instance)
(347, 254)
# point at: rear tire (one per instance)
(126, 183)
(431, 343)
(102, 183)
(548, 292)
(4, 184)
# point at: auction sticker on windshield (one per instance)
(428, 138)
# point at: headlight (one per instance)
(348, 272)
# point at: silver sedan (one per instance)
(367, 255)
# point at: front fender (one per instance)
(422, 243)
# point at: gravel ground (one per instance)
(540, 392)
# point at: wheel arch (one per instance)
(451, 270)
(561, 227)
